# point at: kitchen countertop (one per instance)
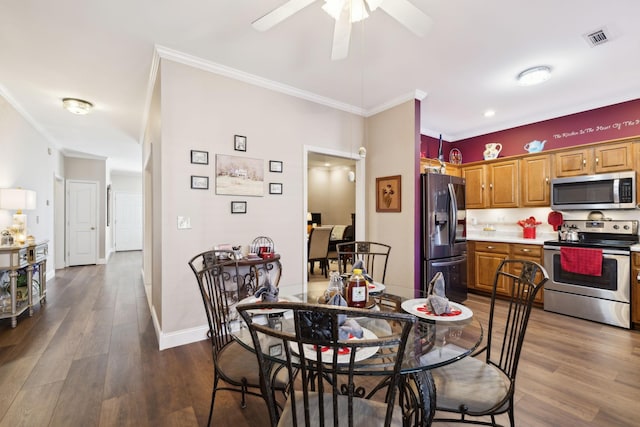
(506, 237)
(635, 248)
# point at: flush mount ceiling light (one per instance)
(77, 106)
(534, 75)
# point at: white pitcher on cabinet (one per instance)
(492, 150)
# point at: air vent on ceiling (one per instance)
(596, 38)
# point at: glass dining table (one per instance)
(433, 342)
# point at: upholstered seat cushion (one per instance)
(470, 382)
(366, 412)
(236, 362)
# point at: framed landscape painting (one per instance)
(239, 176)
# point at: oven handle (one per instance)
(604, 251)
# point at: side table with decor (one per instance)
(23, 279)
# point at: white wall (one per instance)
(203, 111)
(393, 140)
(332, 194)
(29, 161)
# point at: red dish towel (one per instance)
(581, 261)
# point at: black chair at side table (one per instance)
(218, 279)
(485, 386)
(328, 393)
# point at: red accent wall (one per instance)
(601, 124)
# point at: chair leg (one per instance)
(213, 398)
(243, 387)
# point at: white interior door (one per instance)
(128, 221)
(82, 223)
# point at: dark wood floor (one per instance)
(89, 357)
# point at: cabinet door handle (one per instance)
(491, 186)
(596, 160)
(546, 180)
(490, 247)
(482, 186)
(638, 278)
(526, 250)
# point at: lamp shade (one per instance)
(17, 198)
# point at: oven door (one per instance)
(614, 283)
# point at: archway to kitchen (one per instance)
(334, 188)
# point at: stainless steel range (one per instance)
(589, 271)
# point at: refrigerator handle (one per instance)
(452, 261)
(453, 214)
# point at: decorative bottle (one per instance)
(357, 291)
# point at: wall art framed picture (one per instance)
(388, 194)
(240, 143)
(199, 157)
(238, 207)
(239, 176)
(275, 166)
(199, 182)
(275, 188)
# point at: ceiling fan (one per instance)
(345, 12)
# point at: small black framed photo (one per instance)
(199, 157)
(275, 350)
(275, 188)
(275, 166)
(238, 207)
(199, 182)
(240, 143)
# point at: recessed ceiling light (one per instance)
(534, 75)
(77, 106)
(489, 113)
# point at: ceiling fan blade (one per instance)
(408, 15)
(279, 14)
(341, 36)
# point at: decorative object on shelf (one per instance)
(388, 194)
(529, 227)
(7, 238)
(238, 207)
(263, 246)
(19, 199)
(199, 157)
(535, 146)
(455, 156)
(275, 188)
(240, 143)
(239, 176)
(440, 155)
(275, 166)
(492, 150)
(199, 182)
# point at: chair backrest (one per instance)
(218, 279)
(523, 279)
(374, 257)
(313, 331)
(319, 242)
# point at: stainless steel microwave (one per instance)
(602, 191)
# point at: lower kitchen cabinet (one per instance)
(485, 257)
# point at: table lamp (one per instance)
(18, 199)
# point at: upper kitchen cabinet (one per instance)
(535, 174)
(492, 185)
(602, 158)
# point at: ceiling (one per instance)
(102, 51)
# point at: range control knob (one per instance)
(615, 227)
(626, 227)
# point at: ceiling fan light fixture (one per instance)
(356, 8)
(534, 75)
(77, 106)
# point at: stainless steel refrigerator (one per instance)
(443, 233)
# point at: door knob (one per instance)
(93, 228)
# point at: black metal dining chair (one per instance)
(374, 257)
(485, 386)
(326, 390)
(220, 285)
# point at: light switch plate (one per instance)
(184, 222)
